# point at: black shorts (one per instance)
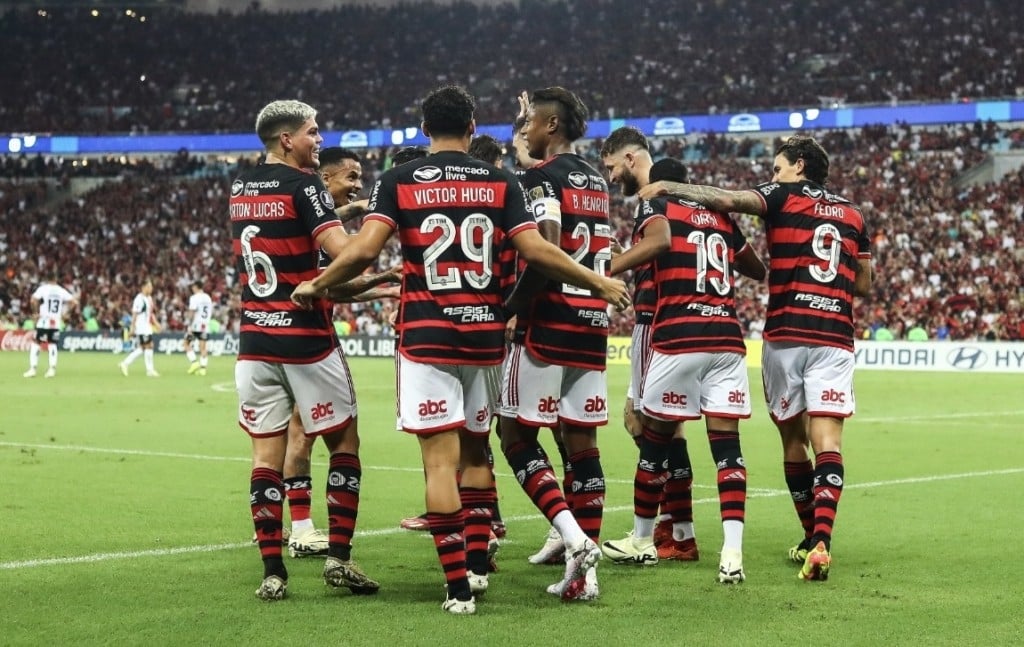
(144, 339)
(48, 335)
(192, 335)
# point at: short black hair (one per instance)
(198, 283)
(486, 148)
(572, 112)
(448, 111)
(620, 138)
(810, 151)
(669, 169)
(408, 154)
(335, 154)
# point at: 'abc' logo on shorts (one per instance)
(547, 405)
(322, 410)
(673, 398)
(433, 407)
(596, 404)
(831, 395)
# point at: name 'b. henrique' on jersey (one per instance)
(815, 239)
(453, 213)
(696, 308)
(566, 325)
(276, 214)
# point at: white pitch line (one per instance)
(173, 455)
(186, 550)
(242, 459)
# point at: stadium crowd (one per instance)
(949, 260)
(166, 70)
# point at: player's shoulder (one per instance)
(767, 189)
(579, 174)
(279, 179)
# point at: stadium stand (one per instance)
(949, 255)
(167, 70)
(949, 259)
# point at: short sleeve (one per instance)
(383, 203)
(314, 205)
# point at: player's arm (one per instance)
(373, 294)
(710, 196)
(863, 278)
(533, 280)
(352, 210)
(657, 238)
(351, 255)
(364, 287)
(749, 264)
(556, 264)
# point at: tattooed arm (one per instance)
(712, 197)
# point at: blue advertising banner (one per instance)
(745, 122)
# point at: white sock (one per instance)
(733, 531)
(304, 524)
(190, 354)
(566, 526)
(683, 530)
(202, 361)
(53, 355)
(132, 356)
(643, 528)
(148, 358)
(33, 356)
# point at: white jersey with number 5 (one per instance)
(201, 305)
(52, 301)
(142, 311)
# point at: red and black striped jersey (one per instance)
(696, 310)
(566, 325)
(453, 214)
(815, 239)
(276, 214)
(645, 297)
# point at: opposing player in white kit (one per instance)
(144, 326)
(200, 309)
(52, 301)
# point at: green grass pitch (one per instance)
(125, 521)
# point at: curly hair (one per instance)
(448, 110)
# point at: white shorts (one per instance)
(540, 394)
(639, 358)
(268, 391)
(816, 379)
(684, 386)
(439, 397)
